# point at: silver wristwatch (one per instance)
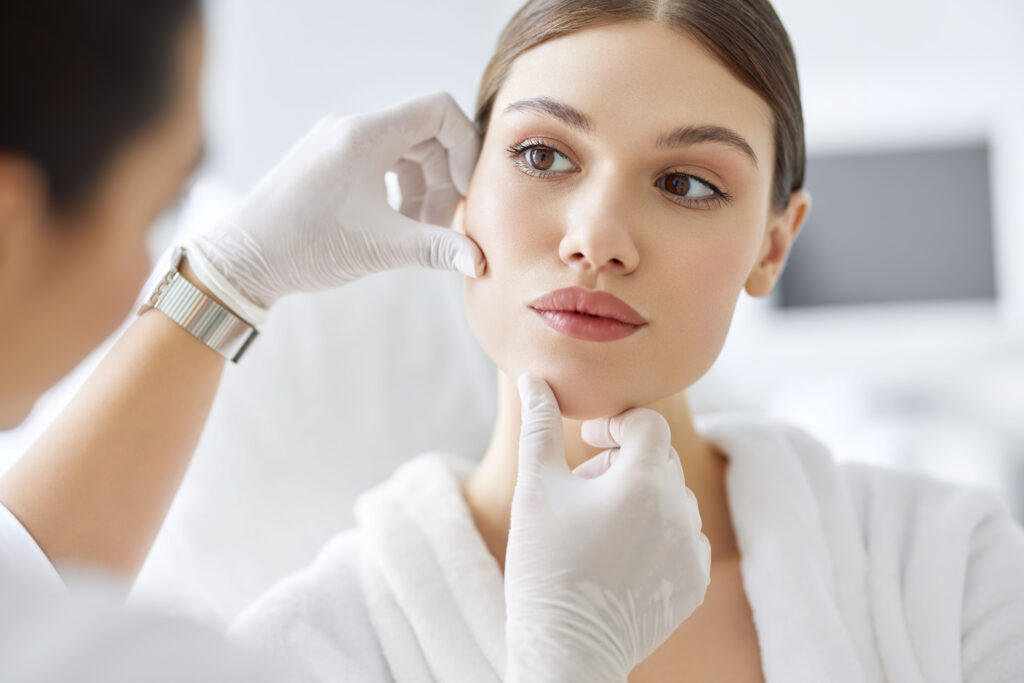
(204, 318)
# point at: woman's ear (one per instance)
(783, 228)
(459, 220)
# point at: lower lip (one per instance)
(588, 327)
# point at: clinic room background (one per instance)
(896, 334)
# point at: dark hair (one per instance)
(746, 36)
(80, 78)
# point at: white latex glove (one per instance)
(601, 566)
(320, 218)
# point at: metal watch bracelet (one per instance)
(199, 314)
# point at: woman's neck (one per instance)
(488, 490)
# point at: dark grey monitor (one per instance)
(894, 226)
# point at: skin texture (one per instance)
(602, 222)
(94, 489)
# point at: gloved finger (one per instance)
(643, 436)
(596, 433)
(676, 465)
(433, 205)
(431, 246)
(440, 196)
(541, 441)
(412, 186)
(597, 465)
(439, 205)
(409, 123)
(677, 472)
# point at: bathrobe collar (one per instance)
(436, 594)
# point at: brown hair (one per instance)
(746, 36)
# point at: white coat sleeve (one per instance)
(50, 634)
(22, 559)
(87, 638)
(993, 607)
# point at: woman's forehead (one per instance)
(637, 79)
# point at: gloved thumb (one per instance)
(541, 440)
(597, 465)
(432, 246)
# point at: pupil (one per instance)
(678, 184)
(541, 159)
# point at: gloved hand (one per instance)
(601, 566)
(320, 218)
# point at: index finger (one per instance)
(641, 435)
(436, 116)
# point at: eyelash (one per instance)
(516, 151)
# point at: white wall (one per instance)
(275, 67)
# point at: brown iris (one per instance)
(677, 184)
(540, 158)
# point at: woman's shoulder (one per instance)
(917, 500)
(950, 547)
(894, 501)
(887, 506)
(317, 619)
(761, 441)
(947, 555)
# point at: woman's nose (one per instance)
(598, 228)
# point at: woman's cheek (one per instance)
(699, 289)
(507, 220)
(483, 223)
(501, 216)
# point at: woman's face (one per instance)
(622, 158)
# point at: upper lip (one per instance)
(591, 302)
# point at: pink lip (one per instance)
(585, 314)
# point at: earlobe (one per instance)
(782, 231)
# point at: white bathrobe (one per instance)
(853, 573)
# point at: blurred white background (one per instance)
(307, 421)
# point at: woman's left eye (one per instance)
(540, 160)
(685, 186)
(691, 191)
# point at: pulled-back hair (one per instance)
(746, 36)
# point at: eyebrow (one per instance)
(680, 137)
(559, 110)
(692, 135)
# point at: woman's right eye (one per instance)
(540, 160)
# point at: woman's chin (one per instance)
(591, 410)
(583, 396)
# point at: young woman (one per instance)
(642, 166)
